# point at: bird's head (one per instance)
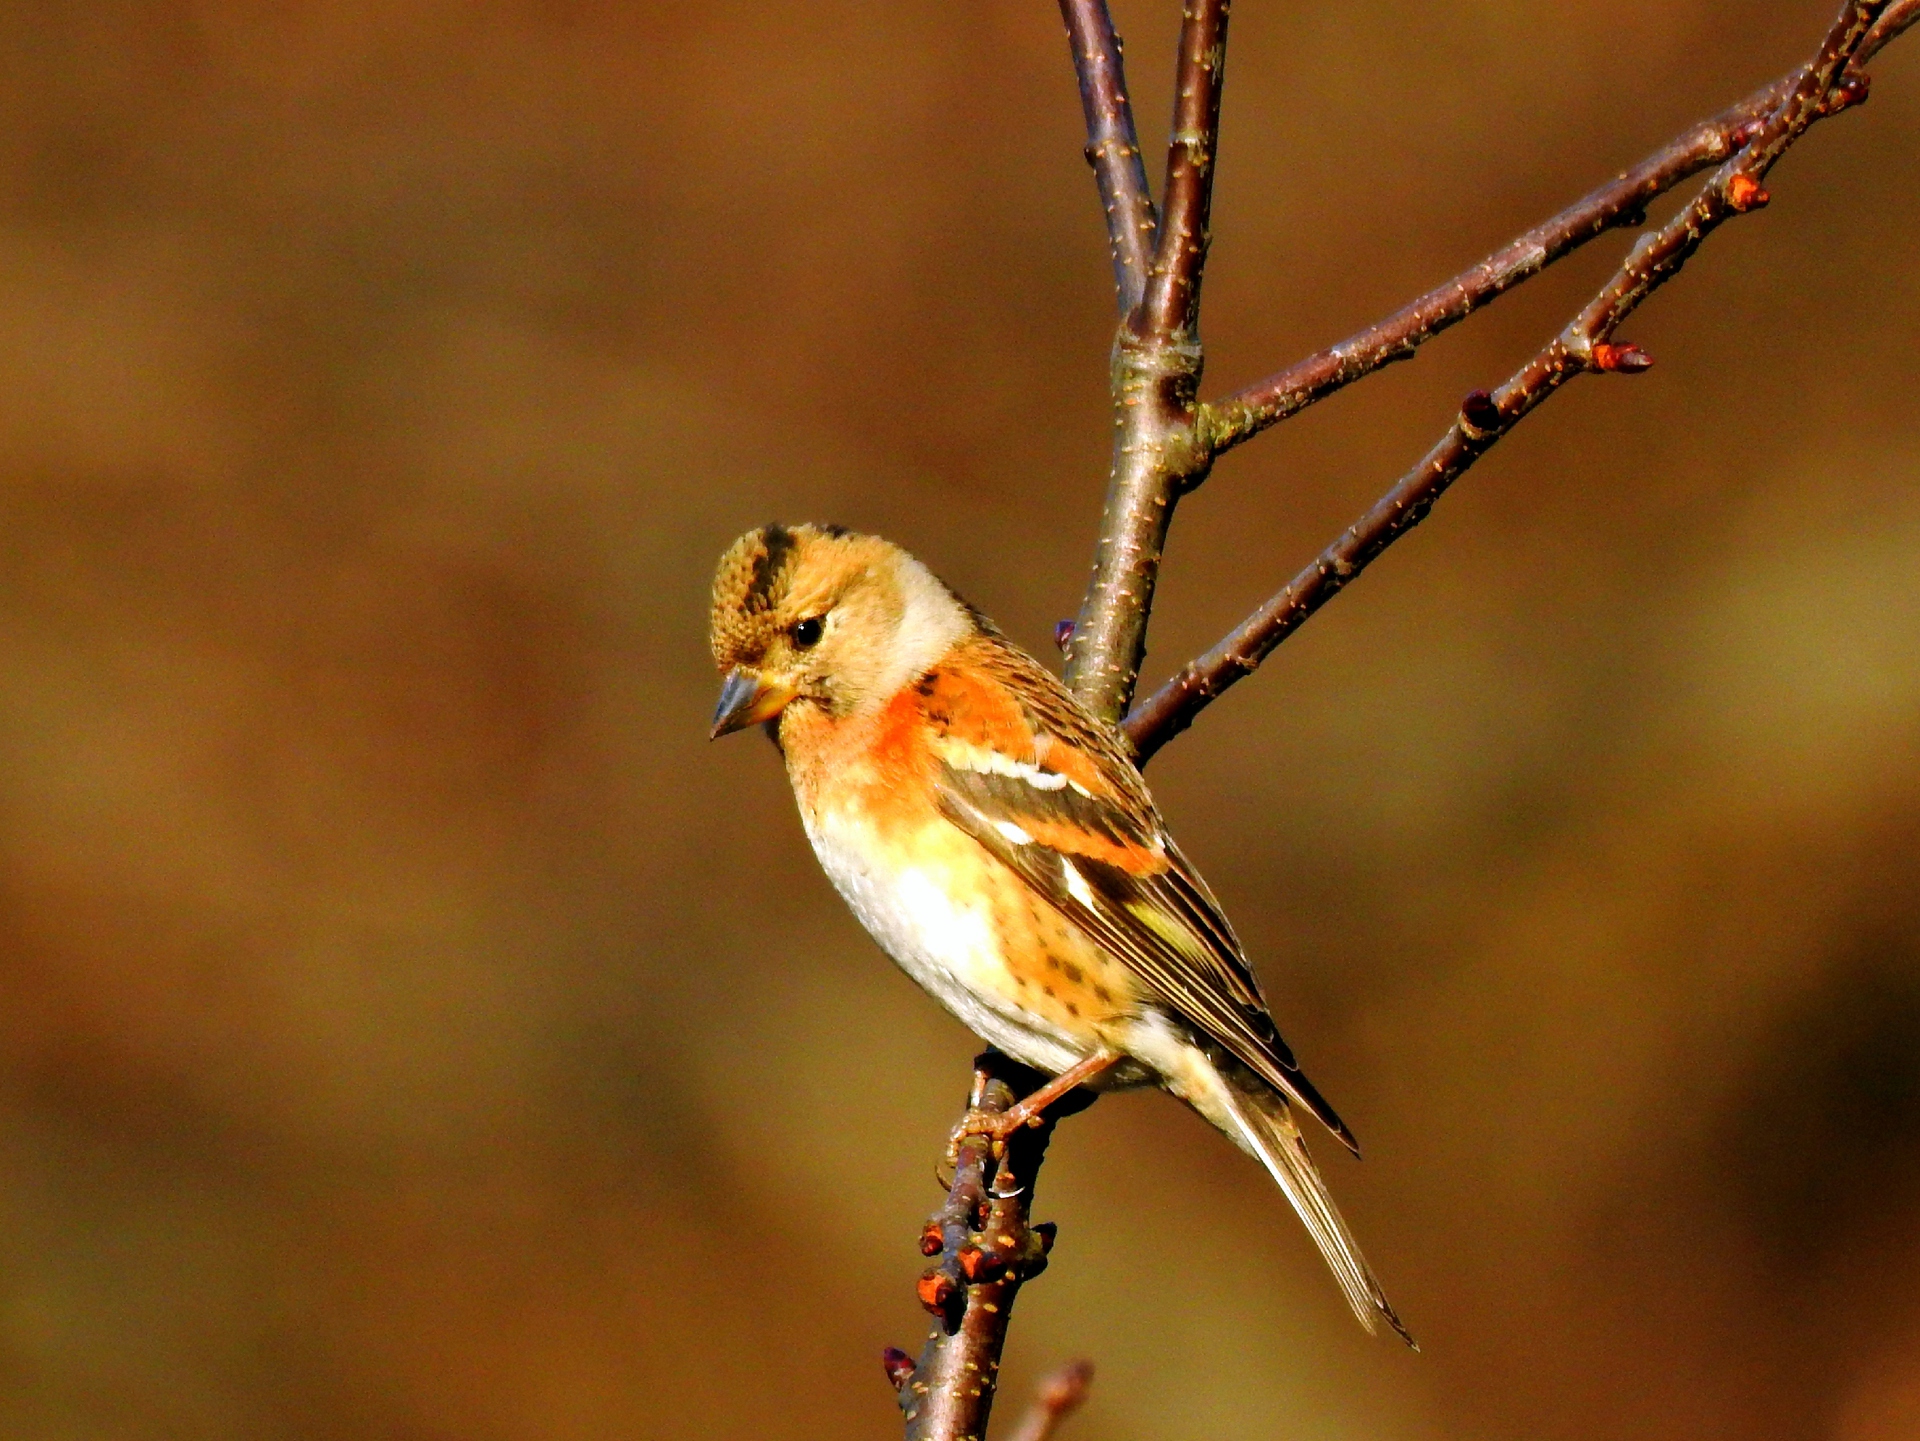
(818, 616)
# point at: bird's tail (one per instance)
(1265, 1127)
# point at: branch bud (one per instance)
(1848, 93)
(1479, 411)
(1063, 633)
(976, 1265)
(1046, 1231)
(935, 1290)
(1622, 359)
(898, 1365)
(1744, 194)
(931, 1240)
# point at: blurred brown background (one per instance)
(411, 1028)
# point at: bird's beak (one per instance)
(747, 698)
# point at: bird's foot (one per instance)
(999, 1127)
(995, 1126)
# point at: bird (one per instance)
(997, 840)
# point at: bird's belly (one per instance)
(944, 939)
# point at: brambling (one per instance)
(999, 843)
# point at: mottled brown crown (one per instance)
(753, 574)
(754, 583)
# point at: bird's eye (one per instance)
(806, 634)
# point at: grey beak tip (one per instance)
(736, 700)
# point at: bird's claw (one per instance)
(997, 1126)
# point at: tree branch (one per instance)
(1061, 1394)
(985, 1246)
(1156, 377)
(1112, 148)
(987, 1249)
(1171, 305)
(1895, 19)
(1820, 88)
(1621, 203)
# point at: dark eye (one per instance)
(806, 634)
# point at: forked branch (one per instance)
(983, 1242)
(1621, 203)
(1156, 374)
(1829, 83)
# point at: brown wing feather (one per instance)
(1057, 800)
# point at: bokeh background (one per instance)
(411, 1028)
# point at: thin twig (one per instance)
(1156, 377)
(1819, 89)
(1061, 1394)
(1897, 18)
(1113, 150)
(1171, 305)
(1621, 203)
(986, 1249)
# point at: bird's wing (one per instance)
(1029, 774)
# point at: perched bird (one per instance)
(998, 842)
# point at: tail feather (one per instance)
(1266, 1128)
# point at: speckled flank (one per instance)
(946, 943)
(1004, 961)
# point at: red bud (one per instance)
(1848, 93)
(1623, 359)
(898, 1365)
(1744, 193)
(935, 1289)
